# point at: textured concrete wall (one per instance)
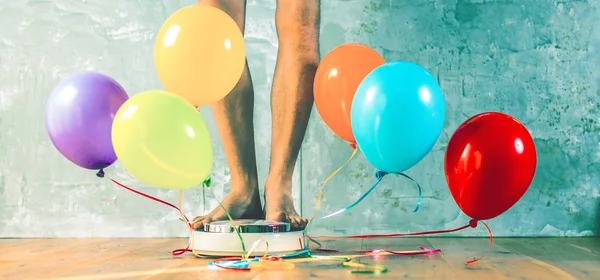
(536, 60)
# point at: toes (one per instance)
(298, 223)
(197, 225)
(197, 219)
(197, 222)
(201, 223)
(303, 222)
(294, 223)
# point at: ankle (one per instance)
(278, 185)
(243, 185)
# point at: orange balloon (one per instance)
(339, 74)
(200, 54)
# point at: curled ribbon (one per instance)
(244, 263)
(379, 176)
(322, 188)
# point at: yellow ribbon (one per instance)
(320, 196)
(189, 226)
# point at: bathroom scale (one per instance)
(220, 238)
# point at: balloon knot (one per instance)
(473, 223)
(380, 174)
(100, 173)
(207, 182)
(353, 146)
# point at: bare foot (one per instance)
(240, 205)
(279, 206)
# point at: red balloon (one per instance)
(490, 162)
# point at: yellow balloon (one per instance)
(200, 54)
(163, 140)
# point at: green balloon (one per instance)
(162, 140)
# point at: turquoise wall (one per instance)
(536, 60)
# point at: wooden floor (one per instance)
(510, 258)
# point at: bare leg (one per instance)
(291, 101)
(234, 116)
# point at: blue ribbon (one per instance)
(379, 175)
(246, 263)
(233, 264)
(304, 253)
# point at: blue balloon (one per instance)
(397, 115)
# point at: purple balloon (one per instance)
(79, 118)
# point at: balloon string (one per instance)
(242, 263)
(366, 268)
(489, 248)
(237, 231)
(420, 194)
(256, 245)
(422, 251)
(190, 227)
(186, 220)
(472, 223)
(231, 263)
(176, 252)
(322, 188)
(239, 264)
(204, 196)
(149, 196)
(346, 259)
(362, 268)
(379, 176)
(355, 203)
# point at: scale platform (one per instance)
(220, 239)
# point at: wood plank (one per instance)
(130, 258)
(557, 255)
(498, 263)
(590, 244)
(61, 256)
(302, 270)
(34, 257)
(133, 257)
(24, 250)
(430, 266)
(189, 266)
(9, 242)
(321, 269)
